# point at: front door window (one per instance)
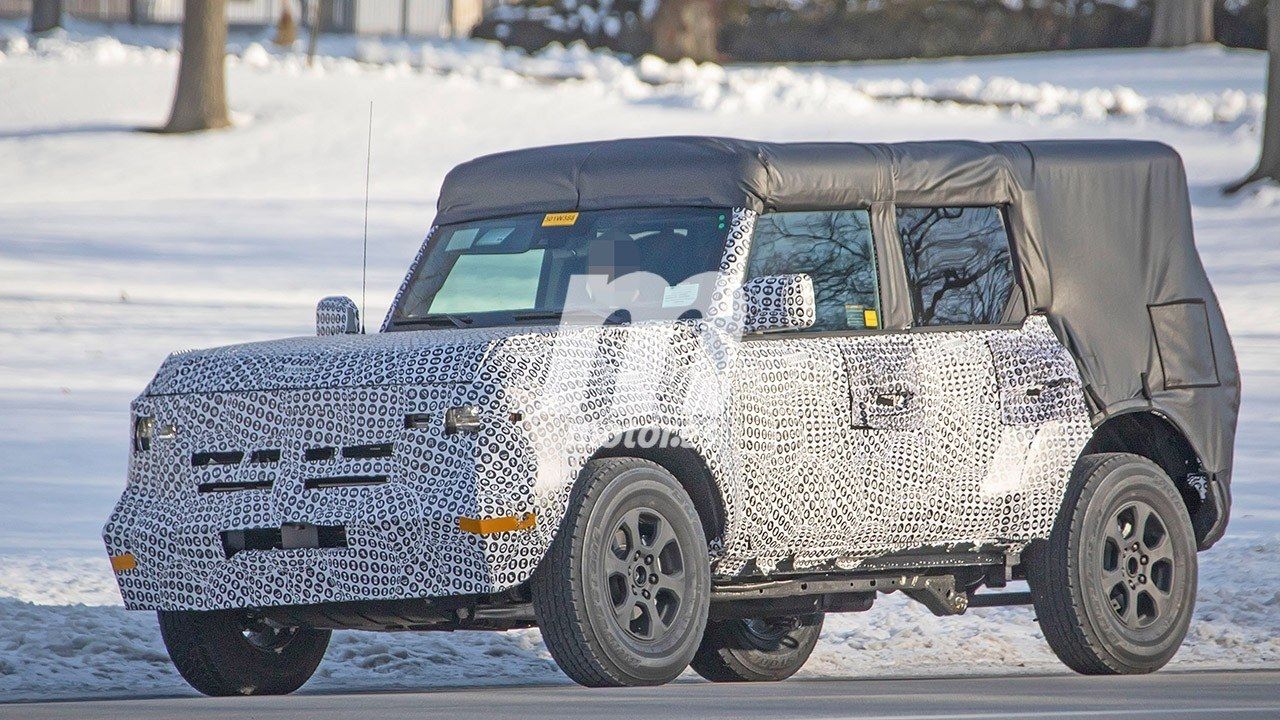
(835, 249)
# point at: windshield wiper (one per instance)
(438, 319)
(615, 317)
(537, 315)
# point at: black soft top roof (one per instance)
(1102, 234)
(724, 172)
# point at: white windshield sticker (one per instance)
(680, 295)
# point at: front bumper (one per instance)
(387, 501)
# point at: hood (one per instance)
(399, 358)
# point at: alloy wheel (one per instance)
(1138, 566)
(645, 573)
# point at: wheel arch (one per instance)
(1157, 438)
(686, 463)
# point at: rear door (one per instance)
(990, 380)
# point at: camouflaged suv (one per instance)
(672, 400)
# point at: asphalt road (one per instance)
(1198, 695)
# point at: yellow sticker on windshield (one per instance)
(559, 219)
(870, 318)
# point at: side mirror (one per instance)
(337, 315)
(778, 302)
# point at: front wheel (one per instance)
(1115, 585)
(622, 596)
(223, 652)
(757, 649)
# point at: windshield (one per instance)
(613, 265)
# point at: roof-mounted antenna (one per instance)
(364, 264)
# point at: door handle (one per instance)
(893, 399)
(1036, 391)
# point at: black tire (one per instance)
(1115, 585)
(756, 650)
(606, 623)
(223, 653)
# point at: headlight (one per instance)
(464, 418)
(144, 429)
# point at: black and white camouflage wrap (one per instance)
(778, 302)
(337, 315)
(825, 450)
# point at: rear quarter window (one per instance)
(959, 265)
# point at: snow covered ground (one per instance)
(117, 247)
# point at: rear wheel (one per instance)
(223, 652)
(1114, 587)
(622, 595)
(757, 649)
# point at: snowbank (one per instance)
(49, 652)
(650, 79)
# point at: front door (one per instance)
(815, 411)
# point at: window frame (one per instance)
(1017, 292)
(896, 313)
(877, 247)
(435, 237)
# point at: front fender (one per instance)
(550, 402)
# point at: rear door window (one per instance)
(835, 249)
(959, 266)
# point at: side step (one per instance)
(1004, 599)
(943, 578)
(840, 594)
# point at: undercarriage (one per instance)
(947, 582)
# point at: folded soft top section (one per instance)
(1102, 231)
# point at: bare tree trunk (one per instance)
(286, 28)
(1178, 23)
(200, 102)
(687, 29)
(320, 15)
(46, 15)
(1269, 166)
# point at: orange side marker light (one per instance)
(121, 563)
(490, 526)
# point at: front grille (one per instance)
(322, 483)
(289, 536)
(320, 453)
(273, 455)
(379, 450)
(350, 452)
(264, 456)
(233, 457)
(368, 451)
(203, 459)
(216, 487)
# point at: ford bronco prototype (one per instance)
(672, 400)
